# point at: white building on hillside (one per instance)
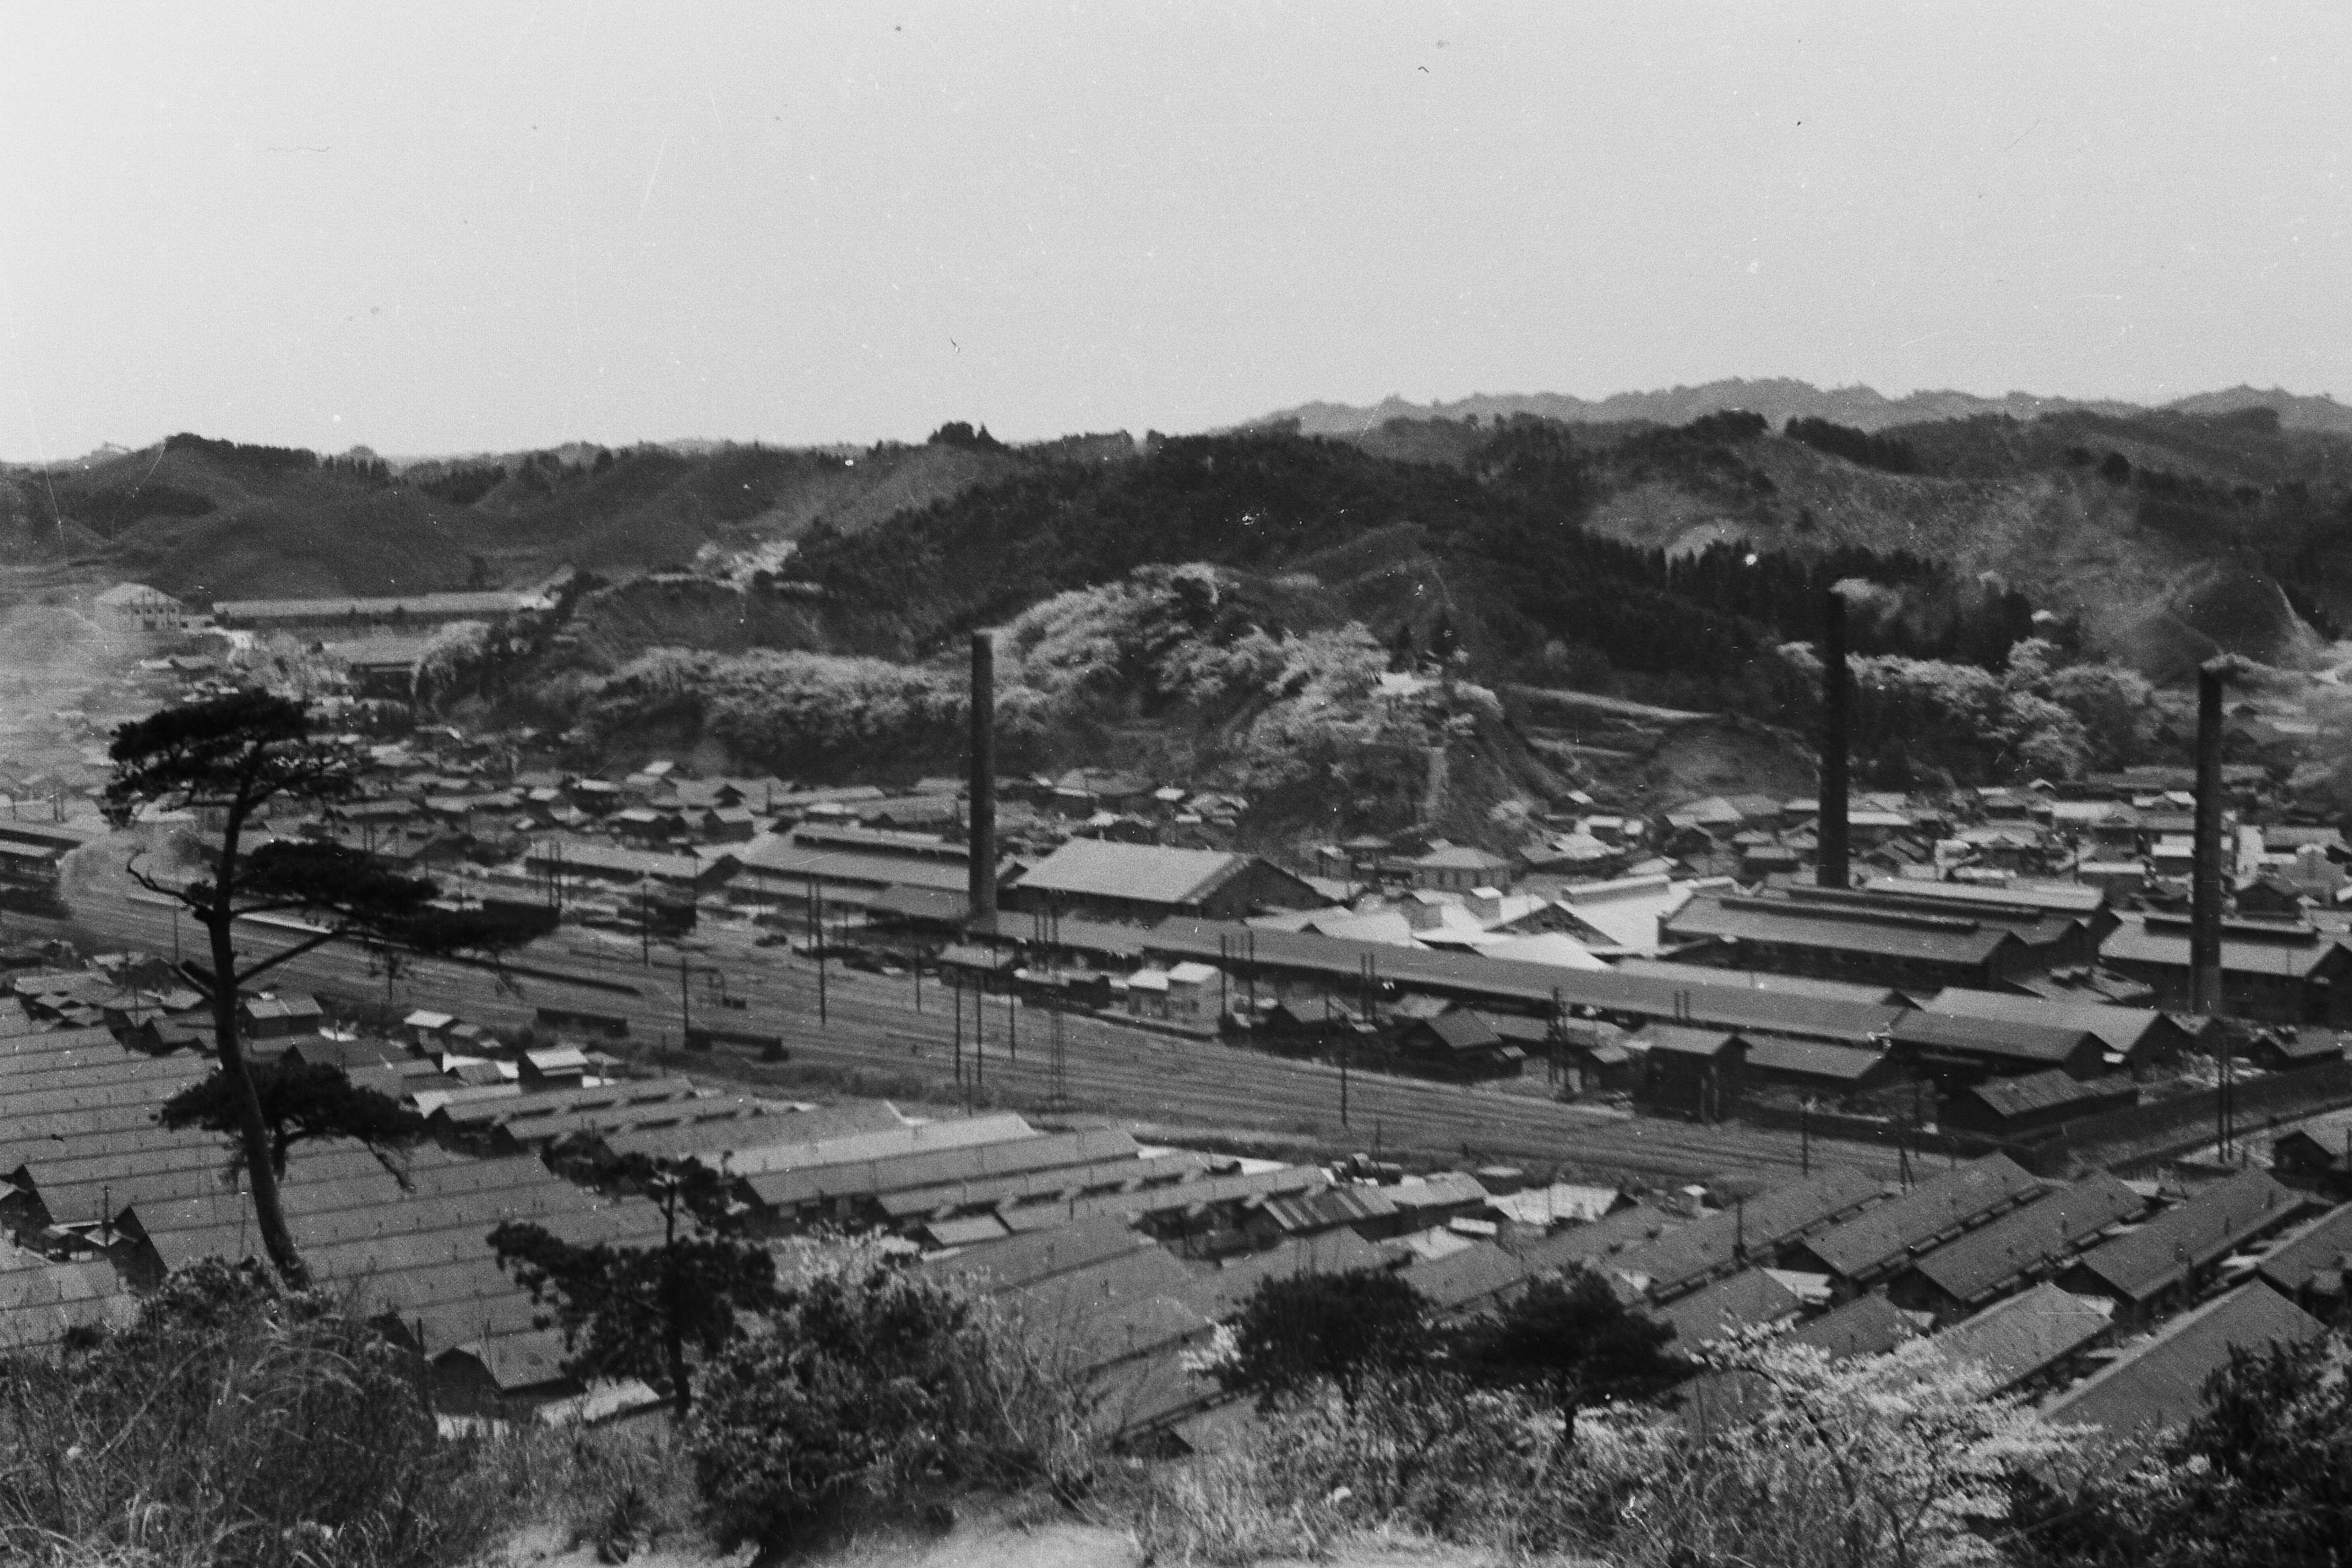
(134, 607)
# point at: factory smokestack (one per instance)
(2205, 884)
(1835, 689)
(983, 776)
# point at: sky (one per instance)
(434, 228)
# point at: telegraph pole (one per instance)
(817, 896)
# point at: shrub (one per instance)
(872, 1388)
(1419, 1452)
(1298, 1330)
(236, 1425)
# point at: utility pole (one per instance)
(684, 1005)
(1057, 1090)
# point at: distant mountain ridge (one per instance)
(1778, 399)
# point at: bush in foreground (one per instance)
(237, 1425)
(872, 1389)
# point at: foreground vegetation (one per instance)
(236, 1423)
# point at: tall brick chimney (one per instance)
(1835, 686)
(2205, 866)
(983, 775)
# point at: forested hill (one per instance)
(1652, 559)
(1663, 558)
(206, 518)
(1492, 556)
(1780, 400)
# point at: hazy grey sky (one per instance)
(466, 226)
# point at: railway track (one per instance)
(1176, 1085)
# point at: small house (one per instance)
(1458, 1045)
(1691, 1072)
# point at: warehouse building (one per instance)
(2028, 1244)
(1881, 1243)
(1094, 878)
(1912, 953)
(2167, 1261)
(2159, 1385)
(2280, 973)
(2032, 1103)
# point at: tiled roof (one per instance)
(2202, 1231)
(2020, 1337)
(1730, 1238)
(1867, 1325)
(1991, 1038)
(2134, 942)
(1745, 1301)
(1882, 1237)
(2041, 1233)
(2009, 1097)
(2323, 1246)
(2160, 1381)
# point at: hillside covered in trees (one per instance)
(2019, 585)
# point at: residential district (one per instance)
(1999, 1111)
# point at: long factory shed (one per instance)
(1342, 966)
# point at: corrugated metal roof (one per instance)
(2202, 1231)
(1881, 1239)
(2160, 1381)
(1328, 1209)
(2017, 1339)
(2041, 1233)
